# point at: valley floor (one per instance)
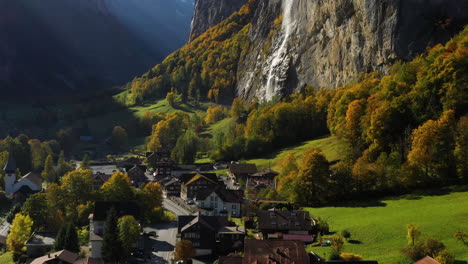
(378, 227)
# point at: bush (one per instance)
(323, 227)
(430, 247)
(444, 257)
(350, 256)
(346, 234)
(334, 255)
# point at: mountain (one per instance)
(276, 47)
(67, 45)
(208, 13)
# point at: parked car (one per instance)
(190, 202)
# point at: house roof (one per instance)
(135, 167)
(63, 255)
(122, 207)
(4, 230)
(42, 238)
(33, 177)
(427, 260)
(230, 260)
(10, 166)
(199, 177)
(274, 251)
(212, 222)
(285, 220)
(243, 168)
(227, 196)
(101, 176)
(171, 181)
(265, 173)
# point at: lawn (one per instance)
(330, 147)
(6, 258)
(379, 228)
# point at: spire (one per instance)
(10, 166)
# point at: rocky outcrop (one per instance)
(208, 13)
(329, 43)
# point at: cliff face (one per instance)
(329, 43)
(208, 13)
(64, 45)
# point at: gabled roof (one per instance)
(62, 255)
(227, 196)
(198, 177)
(42, 238)
(4, 230)
(274, 251)
(212, 222)
(33, 177)
(265, 173)
(171, 181)
(285, 220)
(10, 166)
(427, 260)
(89, 260)
(243, 168)
(230, 260)
(122, 207)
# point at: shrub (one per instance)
(350, 256)
(444, 257)
(334, 255)
(337, 243)
(346, 234)
(322, 226)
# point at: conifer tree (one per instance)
(112, 249)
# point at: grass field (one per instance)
(7, 258)
(378, 228)
(330, 147)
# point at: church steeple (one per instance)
(10, 166)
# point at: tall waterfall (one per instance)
(279, 57)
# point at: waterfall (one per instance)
(280, 55)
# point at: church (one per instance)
(28, 184)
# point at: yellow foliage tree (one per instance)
(20, 231)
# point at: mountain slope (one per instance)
(63, 45)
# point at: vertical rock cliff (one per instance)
(329, 43)
(208, 13)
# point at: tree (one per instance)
(337, 243)
(62, 166)
(462, 237)
(412, 233)
(77, 187)
(59, 242)
(444, 257)
(71, 239)
(461, 149)
(86, 162)
(171, 99)
(129, 231)
(119, 138)
(66, 138)
(118, 188)
(184, 250)
(153, 195)
(346, 234)
(49, 172)
(186, 148)
(237, 108)
(112, 249)
(20, 231)
(37, 209)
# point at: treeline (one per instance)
(204, 68)
(404, 130)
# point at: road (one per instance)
(163, 245)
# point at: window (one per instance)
(196, 244)
(234, 207)
(273, 223)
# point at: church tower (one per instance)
(10, 174)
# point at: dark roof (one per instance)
(229, 196)
(34, 178)
(212, 222)
(274, 251)
(63, 255)
(141, 168)
(230, 260)
(243, 168)
(427, 260)
(10, 166)
(26, 190)
(285, 220)
(101, 176)
(122, 207)
(265, 173)
(42, 238)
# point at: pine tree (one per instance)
(85, 163)
(49, 170)
(59, 243)
(112, 249)
(71, 239)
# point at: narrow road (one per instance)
(173, 207)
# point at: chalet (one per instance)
(190, 187)
(28, 184)
(275, 251)
(129, 162)
(287, 225)
(40, 243)
(137, 175)
(262, 179)
(171, 187)
(98, 219)
(162, 169)
(61, 257)
(220, 201)
(153, 157)
(427, 260)
(99, 179)
(211, 234)
(241, 171)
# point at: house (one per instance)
(274, 251)
(137, 175)
(262, 179)
(40, 243)
(198, 183)
(427, 260)
(220, 201)
(99, 179)
(89, 260)
(98, 219)
(287, 225)
(4, 230)
(162, 169)
(152, 158)
(241, 171)
(171, 187)
(211, 234)
(28, 184)
(59, 257)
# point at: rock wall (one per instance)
(328, 43)
(208, 13)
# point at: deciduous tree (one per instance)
(20, 231)
(184, 250)
(129, 231)
(118, 188)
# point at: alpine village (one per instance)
(234, 131)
